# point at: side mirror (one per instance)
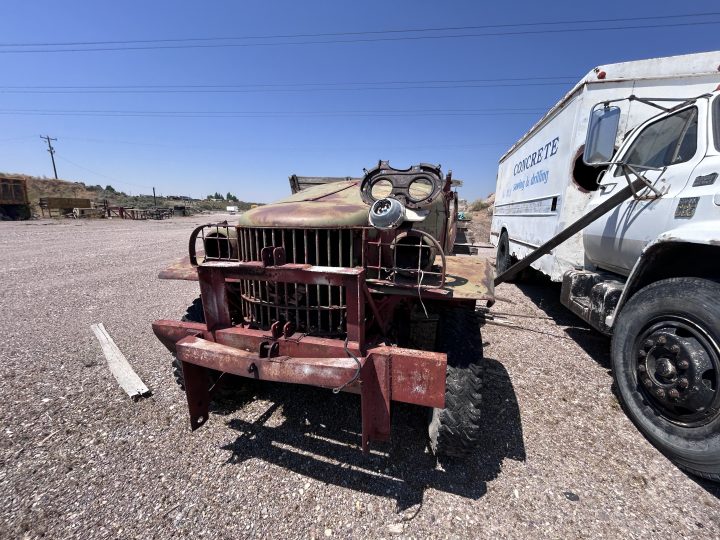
(601, 135)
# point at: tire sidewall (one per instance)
(696, 448)
(502, 257)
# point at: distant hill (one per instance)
(41, 187)
(482, 204)
(48, 187)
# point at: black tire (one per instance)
(666, 366)
(503, 260)
(455, 430)
(194, 313)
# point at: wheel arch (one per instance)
(669, 257)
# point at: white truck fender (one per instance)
(705, 233)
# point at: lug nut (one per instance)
(673, 393)
(647, 382)
(662, 340)
(642, 368)
(675, 349)
(660, 393)
(649, 343)
(683, 364)
(683, 383)
(642, 354)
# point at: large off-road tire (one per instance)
(666, 365)
(194, 313)
(455, 430)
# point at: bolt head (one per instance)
(647, 382)
(662, 340)
(683, 383)
(673, 393)
(649, 343)
(642, 368)
(675, 349)
(642, 354)
(683, 364)
(660, 393)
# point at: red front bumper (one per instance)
(381, 374)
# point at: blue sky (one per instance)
(326, 109)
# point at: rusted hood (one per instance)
(333, 205)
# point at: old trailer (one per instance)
(14, 202)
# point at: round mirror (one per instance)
(420, 189)
(381, 189)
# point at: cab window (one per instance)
(667, 142)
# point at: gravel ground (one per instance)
(80, 460)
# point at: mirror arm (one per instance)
(626, 167)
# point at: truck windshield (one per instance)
(668, 141)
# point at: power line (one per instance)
(323, 148)
(279, 114)
(357, 33)
(358, 40)
(101, 174)
(284, 85)
(231, 90)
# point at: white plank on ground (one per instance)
(118, 364)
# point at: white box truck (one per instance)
(615, 194)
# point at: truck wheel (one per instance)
(455, 430)
(196, 314)
(666, 365)
(503, 260)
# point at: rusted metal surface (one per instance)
(322, 372)
(416, 376)
(13, 190)
(375, 400)
(334, 205)
(180, 269)
(470, 278)
(285, 295)
(386, 373)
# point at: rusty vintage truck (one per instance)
(349, 284)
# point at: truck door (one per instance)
(675, 142)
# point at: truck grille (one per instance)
(313, 309)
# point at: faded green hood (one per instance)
(336, 204)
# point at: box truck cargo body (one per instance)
(543, 184)
(616, 194)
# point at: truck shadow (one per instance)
(317, 434)
(545, 294)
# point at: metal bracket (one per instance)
(636, 194)
(273, 256)
(268, 350)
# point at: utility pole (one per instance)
(52, 152)
(154, 199)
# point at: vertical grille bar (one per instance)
(328, 234)
(317, 261)
(318, 309)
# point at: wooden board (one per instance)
(119, 366)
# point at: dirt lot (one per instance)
(80, 460)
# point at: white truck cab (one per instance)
(647, 271)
